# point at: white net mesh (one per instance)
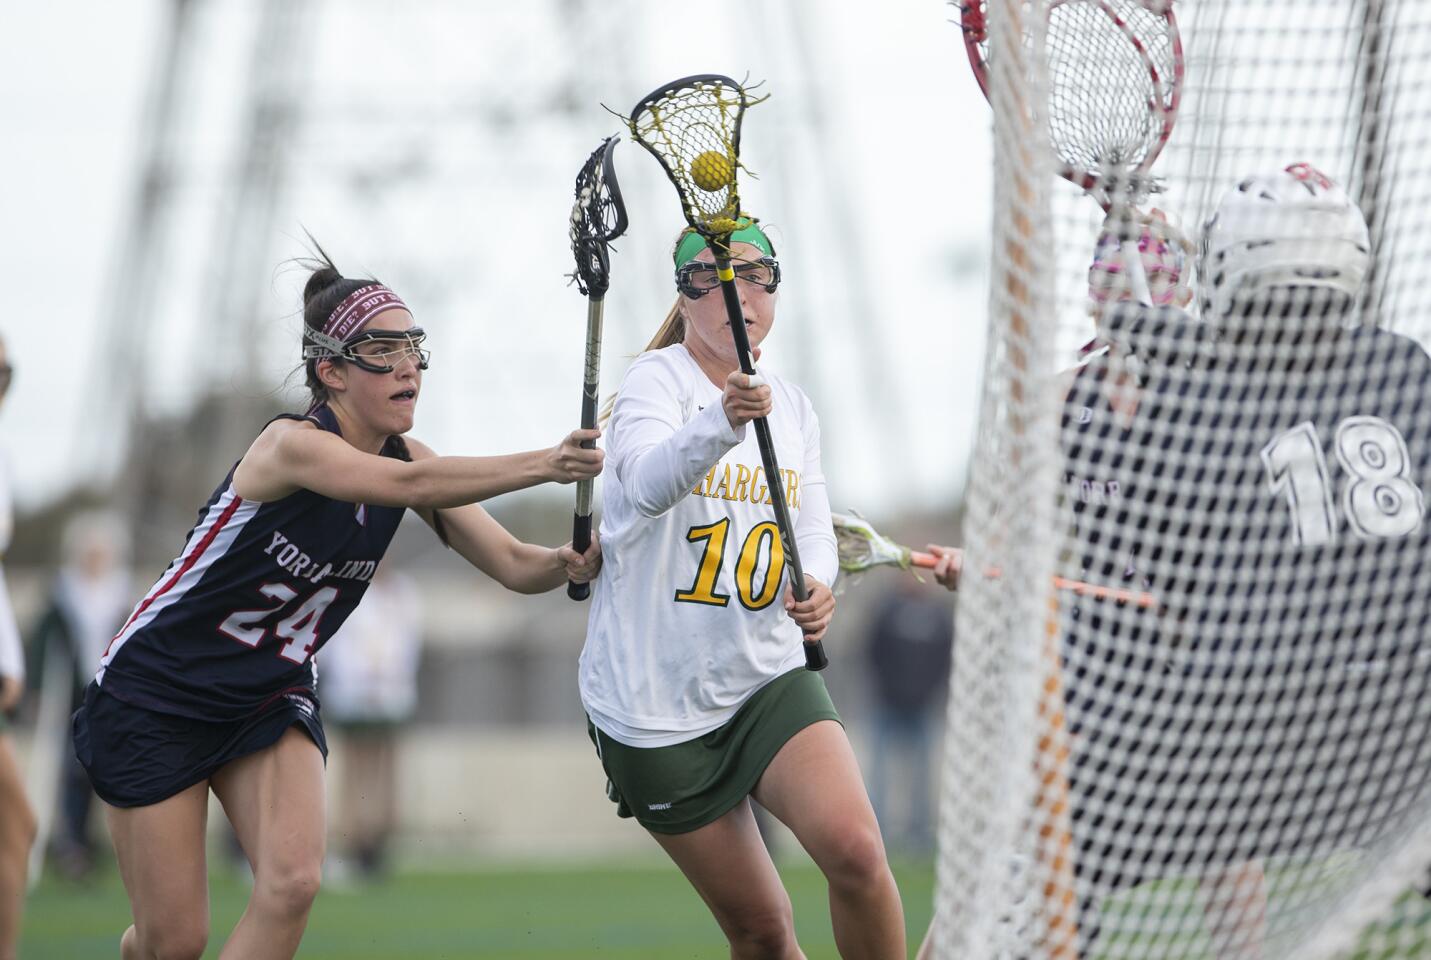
(1244, 771)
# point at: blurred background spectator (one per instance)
(91, 595)
(909, 648)
(367, 684)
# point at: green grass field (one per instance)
(639, 912)
(645, 912)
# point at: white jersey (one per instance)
(12, 657)
(688, 617)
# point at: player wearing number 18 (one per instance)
(1278, 710)
(210, 683)
(693, 675)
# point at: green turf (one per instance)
(1169, 914)
(646, 912)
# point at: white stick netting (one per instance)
(1245, 771)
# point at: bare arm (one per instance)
(488, 546)
(292, 455)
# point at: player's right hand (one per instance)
(569, 461)
(746, 397)
(950, 565)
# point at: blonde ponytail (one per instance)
(672, 330)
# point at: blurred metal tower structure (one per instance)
(812, 174)
(121, 366)
(164, 466)
(242, 249)
(318, 136)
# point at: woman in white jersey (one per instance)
(693, 673)
(17, 820)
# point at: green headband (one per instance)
(693, 243)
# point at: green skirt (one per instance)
(685, 786)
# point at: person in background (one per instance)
(909, 651)
(17, 820)
(369, 693)
(88, 602)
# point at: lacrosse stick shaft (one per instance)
(581, 523)
(1130, 237)
(814, 652)
(1093, 591)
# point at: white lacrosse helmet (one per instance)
(1291, 228)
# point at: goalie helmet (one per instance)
(1291, 228)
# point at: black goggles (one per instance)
(696, 278)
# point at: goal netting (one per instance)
(1244, 771)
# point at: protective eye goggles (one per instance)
(376, 351)
(696, 278)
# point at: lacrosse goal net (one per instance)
(1245, 772)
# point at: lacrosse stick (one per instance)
(597, 217)
(861, 546)
(692, 127)
(1115, 77)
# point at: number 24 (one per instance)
(298, 630)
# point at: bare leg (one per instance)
(728, 865)
(274, 799)
(17, 833)
(813, 786)
(161, 860)
(1235, 906)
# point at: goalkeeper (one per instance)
(1274, 504)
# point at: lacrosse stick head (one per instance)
(597, 217)
(692, 127)
(860, 546)
(1115, 74)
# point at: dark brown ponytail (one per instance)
(325, 289)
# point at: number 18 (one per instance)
(1381, 500)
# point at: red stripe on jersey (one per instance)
(184, 568)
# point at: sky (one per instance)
(434, 145)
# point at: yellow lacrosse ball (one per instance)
(711, 170)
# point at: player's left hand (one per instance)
(10, 692)
(951, 564)
(581, 567)
(814, 613)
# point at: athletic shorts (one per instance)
(685, 786)
(136, 757)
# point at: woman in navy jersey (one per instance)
(210, 683)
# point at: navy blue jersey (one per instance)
(1099, 474)
(1108, 647)
(1282, 499)
(1274, 498)
(257, 590)
(1261, 496)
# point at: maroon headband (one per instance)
(358, 308)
